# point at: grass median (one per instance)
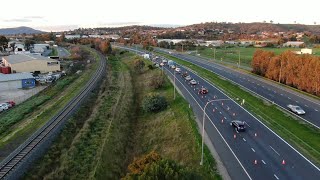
(302, 136)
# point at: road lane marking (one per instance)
(274, 150)
(253, 150)
(306, 105)
(247, 124)
(225, 118)
(276, 177)
(297, 101)
(281, 94)
(316, 110)
(220, 112)
(263, 162)
(244, 139)
(289, 98)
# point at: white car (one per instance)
(193, 82)
(173, 66)
(178, 70)
(162, 64)
(296, 109)
(188, 78)
(4, 106)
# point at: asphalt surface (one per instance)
(258, 153)
(270, 91)
(62, 52)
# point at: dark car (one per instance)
(185, 74)
(238, 125)
(203, 90)
(11, 103)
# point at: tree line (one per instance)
(299, 71)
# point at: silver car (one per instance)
(296, 109)
(4, 106)
(193, 82)
(188, 78)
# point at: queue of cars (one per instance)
(238, 125)
(6, 105)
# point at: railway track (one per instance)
(23, 152)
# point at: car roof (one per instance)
(238, 122)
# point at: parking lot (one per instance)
(19, 95)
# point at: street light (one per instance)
(174, 88)
(239, 59)
(203, 118)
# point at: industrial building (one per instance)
(16, 81)
(31, 63)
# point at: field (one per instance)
(299, 134)
(101, 141)
(231, 55)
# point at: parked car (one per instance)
(11, 103)
(296, 109)
(178, 70)
(203, 90)
(4, 106)
(162, 64)
(238, 125)
(193, 82)
(172, 66)
(188, 78)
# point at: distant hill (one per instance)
(252, 28)
(19, 30)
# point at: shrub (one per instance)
(154, 103)
(139, 65)
(150, 67)
(157, 81)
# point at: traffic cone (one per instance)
(283, 162)
(255, 162)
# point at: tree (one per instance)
(28, 43)
(3, 43)
(157, 81)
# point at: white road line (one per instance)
(253, 150)
(225, 118)
(289, 98)
(306, 105)
(263, 162)
(316, 110)
(297, 101)
(220, 112)
(274, 150)
(276, 177)
(247, 124)
(281, 94)
(244, 139)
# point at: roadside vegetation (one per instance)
(106, 140)
(302, 136)
(20, 122)
(54, 52)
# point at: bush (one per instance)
(150, 67)
(157, 81)
(152, 166)
(139, 65)
(154, 103)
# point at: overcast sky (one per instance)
(66, 14)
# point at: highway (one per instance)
(258, 153)
(267, 90)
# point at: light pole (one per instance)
(203, 121)
(174, 84)
(239, 59)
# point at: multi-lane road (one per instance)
(270, 91)
(258, 153)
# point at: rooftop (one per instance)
(18, 58)
(16, 76)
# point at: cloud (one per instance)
(57, 28)
(17, 20)
(34, 17)
(116, 24)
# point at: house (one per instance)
(40, 48)
(304, 51)
(293, 44)
(31, 63)
(16, 81)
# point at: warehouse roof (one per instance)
(18, 58)
(14, 77)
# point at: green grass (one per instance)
(299, 134)
(27, 117)
(54, 52)
(231, 55)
